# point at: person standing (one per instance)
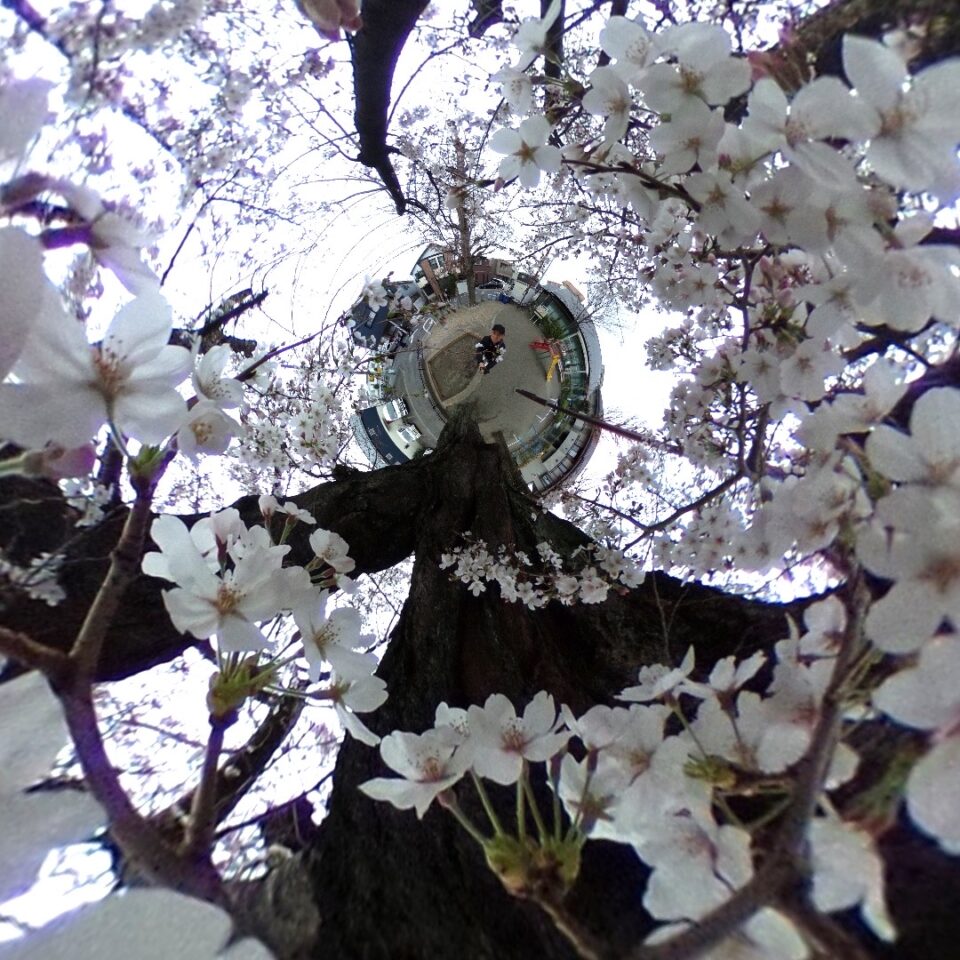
(491, 348)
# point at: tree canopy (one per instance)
(704, 705)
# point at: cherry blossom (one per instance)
(228, 603)
(930, 453)
(23, 288)
(427, 765)
(690, 137)
(629, 43)
(516, 87)
(207, 430)
(726, 677)
(528, 151)
(66, 388)
(114, 240)
(914, 130)
(658, 681)
(927, 697)
(332, 638)
(23, 112)
(704, 69)
(269, 506)
(357, 694)
(531, 35)
(501, 741)
(589, 793)
(209, 382)
(696, 863)
(820, 110)
(913, 540)
(847, 871)
(608, 97)
(332, 549)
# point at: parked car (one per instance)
(394, 410)
(494, 284)
(409, 434)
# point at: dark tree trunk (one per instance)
(390, 886)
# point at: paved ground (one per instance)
(498, 406)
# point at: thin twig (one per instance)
(585, 943)
(200, 830)
(141, 843)
(124, 565)
(26, 650)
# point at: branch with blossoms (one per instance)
(784, 232)
(60, 391)
(535, 583)
(680, 769)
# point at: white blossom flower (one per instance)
(427, 765)
(207, 430)
(914, 129)
(696, 864)
(374, 293)
(627, 42)
(914, 540)
(332, 638)
(930, 453)
(114, 240)
(527, 151)
(501, 740)
(593, 589)
(599, 726)
(269, 506)
(724, 210)
(67, 388)
(826, 622)
(609, 97)
(847, 870)
(820, 110)
(927, 697)
(332, 549)
(704, 69)
(209, 382)
(23, 288)
(726, 677)
(531, 35)
(589, 792)
(452, 723)
(23, 112)
(658, 680)
(516, 88)
(904, 288)
(205, 603)
(690, 137)
(358, 694)
(804, 372)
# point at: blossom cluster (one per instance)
(666, 773)
(231, 579)
(536, 583)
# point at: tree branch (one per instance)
(375, 51)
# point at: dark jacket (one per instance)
(489, 353)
